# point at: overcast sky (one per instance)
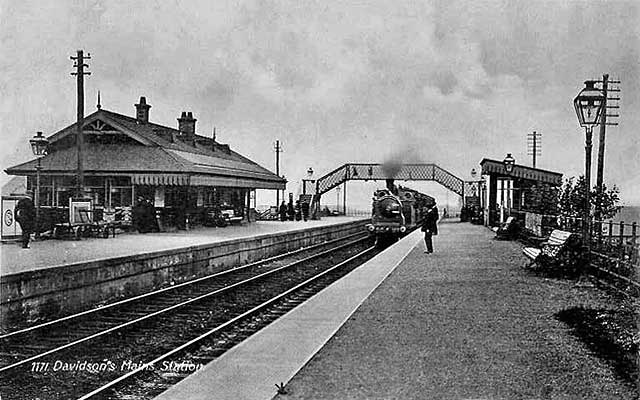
(448, 82)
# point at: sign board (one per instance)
(80, 211)
(10, 228)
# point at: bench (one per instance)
(551, 250)
(85, 227)
(508, 230)
(230, 216)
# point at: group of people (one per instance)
(291, 212)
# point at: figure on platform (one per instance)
(430, 226)
(305, 210)
(144, 216)
(25, 214)
(283, 211)
(298, 211)
(444, 213)
(291, 211)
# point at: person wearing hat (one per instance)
(430, 226)
(25, 214)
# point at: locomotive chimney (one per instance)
(391, 186)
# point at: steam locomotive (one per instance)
(395, 211)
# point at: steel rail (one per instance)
(159, 291)
(220, 327)
(174, 307)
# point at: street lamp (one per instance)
(309, 179)
(39, 147)
(588, 104)
(509, 162)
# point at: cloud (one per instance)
(443, 81)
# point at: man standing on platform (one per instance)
(305, 210)
(430, 226)
(283, 211)
(25, 214)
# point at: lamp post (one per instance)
(39, 147)
(309, 179)
(588, 104)
(338, 188)
(509, 162)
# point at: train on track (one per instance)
(395, 211)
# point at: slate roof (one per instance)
(153, 152)
(521, 171)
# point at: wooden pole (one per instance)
(600, 169)
(80, 73)
(587, 197)
(278, 149)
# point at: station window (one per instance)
(121, 196)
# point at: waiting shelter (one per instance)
(510, 192)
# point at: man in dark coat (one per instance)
(25, 214)
(305, 210)
(291, 211)
(283, 211)
(430, 226)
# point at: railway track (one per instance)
(72, 356)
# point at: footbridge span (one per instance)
(372, 172)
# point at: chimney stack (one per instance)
(142, 110)
(187, 125)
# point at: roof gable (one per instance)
(101, 123)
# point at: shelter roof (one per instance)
(494, 167)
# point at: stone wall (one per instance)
(52, 293)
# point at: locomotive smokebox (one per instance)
(391, 186)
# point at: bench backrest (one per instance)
(558, 237)
(556, 242)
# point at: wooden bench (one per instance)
(506, 230)
(551, 249)
(230, 216)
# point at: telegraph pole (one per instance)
(80, 73)
(603, 123)
(534, 145)
(278, 149)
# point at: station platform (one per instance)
(53, 253)
(466, 322)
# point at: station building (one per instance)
(181, 173)
(512, 193)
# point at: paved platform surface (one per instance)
(251, 369)
(51, 253)
(466, 322)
